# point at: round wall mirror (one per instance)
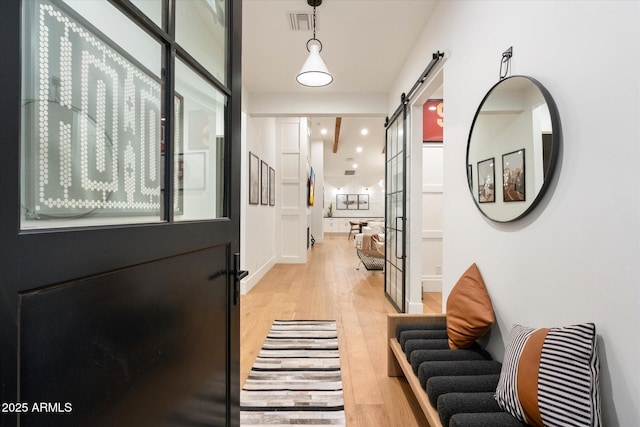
(513, 148)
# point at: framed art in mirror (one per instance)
(513, 177)
(517, 116)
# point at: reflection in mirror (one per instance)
(512, 149)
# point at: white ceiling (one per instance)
(369, 161)
(365, 42)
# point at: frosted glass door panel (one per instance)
(91, 120)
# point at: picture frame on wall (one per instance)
(513, 177)
(363, 201)
(341, 202)
(254, 179)
(264, 183)
(272, 186)
(352, 201)
(311, 188)
(486, 181)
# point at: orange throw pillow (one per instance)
(469, 310)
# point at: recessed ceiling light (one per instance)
(359, 149)
(364, 131)
(323, 131)
(355, 166)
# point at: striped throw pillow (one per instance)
(550, 376)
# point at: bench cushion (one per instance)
(437, 386)
(419, 327)
(411, 345)
(419, 356)
(427, 370)
(462, 403)
(489, 419)
(415, 334)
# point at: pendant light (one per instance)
(314, 72)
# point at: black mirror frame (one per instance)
(556, 141)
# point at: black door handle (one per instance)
(238, 275)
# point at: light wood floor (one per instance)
(330, 287)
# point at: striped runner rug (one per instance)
(296, 377)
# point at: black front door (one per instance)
(118, 231)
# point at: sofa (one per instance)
(549, 376)
(369, 245)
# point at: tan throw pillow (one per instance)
(469, 310)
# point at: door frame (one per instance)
(415, 238)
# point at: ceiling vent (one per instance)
(350, 172)
(299, 21)
(349, 159)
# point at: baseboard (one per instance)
(431, 283)
(415, 307)
(254, 277)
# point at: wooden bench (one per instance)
(397, 364)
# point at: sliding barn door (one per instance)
(118, 233)
(395, 210)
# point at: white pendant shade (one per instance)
(314, 72)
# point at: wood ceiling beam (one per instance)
(336, 138)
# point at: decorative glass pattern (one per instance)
(92, 124)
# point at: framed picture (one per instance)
(341, 202)
(254, 179)
(513, 182)
(272, 186)
(312, 188)
(363, 201)
(352, 201)
(486, 181)
(264, 183)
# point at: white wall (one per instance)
(432, 219)
(576, 258)
(363, 184)
(259, 244)
(314, 104)
(275, 234)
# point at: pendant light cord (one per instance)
(314, 22)
(314, 33)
